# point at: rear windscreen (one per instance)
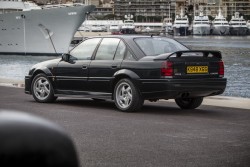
(156, 46)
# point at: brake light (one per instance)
(221, 69)
(167, 69)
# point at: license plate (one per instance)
(197, 69)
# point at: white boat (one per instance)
(114, 29)
(42, 31)
(168, 26)
(181, 24)
(84, 28)
(96, 28)
(238, 25)
(248, 27)
(220, 25)
(201, 25)
(128, 26)
(104, 25)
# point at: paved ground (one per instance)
(159, 135)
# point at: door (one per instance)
(106, 62)
(72, 75)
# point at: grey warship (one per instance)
(42, 31)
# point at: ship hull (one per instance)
(220, 30)
(180, 31)
(115, 30)
(201, 30)
(238, 30)
(47, 31)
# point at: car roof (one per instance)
(129, 39)
(126, 36)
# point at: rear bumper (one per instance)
(27, 85)
(175, 88)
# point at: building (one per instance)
(144, 10)
(92, 2)
(157, 10)
(44, 2)
(102, 12)
(211, 7)
(241, 6)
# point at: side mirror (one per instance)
(66, 57)
(31, 141)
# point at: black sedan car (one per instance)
(129, 70)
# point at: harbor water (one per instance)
(235, 52)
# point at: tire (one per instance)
(127, 97)
(189, 103)
(42, 89)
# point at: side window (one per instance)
(107, 49)
(85, 50)
(129, 56)
(120, 51)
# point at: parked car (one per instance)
(130, 69)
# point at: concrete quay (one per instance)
(90, 34)
(220, 101)
(161, 134)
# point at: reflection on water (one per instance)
(235, 51)
(15, 67)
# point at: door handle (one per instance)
(114, 66)
(84, 67)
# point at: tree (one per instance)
(210, 17)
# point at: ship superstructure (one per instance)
(128, 26)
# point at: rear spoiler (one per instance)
(206, 53)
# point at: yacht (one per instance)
(237, 25)
(248, 27)
(201, 25)
(220, 25)
(128, 26)
(181, 24)
(30, 29)
(168, 26)
(114, 29)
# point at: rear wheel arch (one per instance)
(122, 74)
(127, 96)
(116, 80)
(129, 73)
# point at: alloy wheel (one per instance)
(124, 95)
(41, 88)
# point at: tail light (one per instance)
(221, 69)
(167, 69)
